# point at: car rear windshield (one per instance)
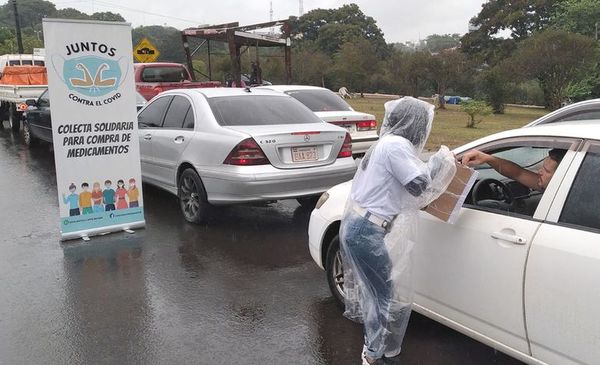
(320, 100)
(164, 74)
(260, 110)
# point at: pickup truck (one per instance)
(18, 84)
(156, 77)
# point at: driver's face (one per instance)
(546, 171)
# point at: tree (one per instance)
(166, 39)
(330, 28)
(579, 16)
(70, 13)
(555, 58)
(437, 43)
(108, 16)
(311, 65)
(495, 86)
(354, 64)
(415, 72)
(520, 17)
(31, 12)
(444, 69)
(475, 109)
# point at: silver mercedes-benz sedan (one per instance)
(229, 145)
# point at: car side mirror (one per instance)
(31, 102)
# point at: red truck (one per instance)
(156, 77)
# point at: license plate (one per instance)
(303, 154)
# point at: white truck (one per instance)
(12, 102)
(17, 87)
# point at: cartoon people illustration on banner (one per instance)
(100, 200)
(108, 196)
(133, 194)
(121, 193)
(85, 199)
(72, 200)
(97, 198)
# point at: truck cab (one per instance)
(156, 77)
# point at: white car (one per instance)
(583, 110)
(330, 107)
(232, 145)
(519, 276)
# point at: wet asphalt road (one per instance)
(240, 290)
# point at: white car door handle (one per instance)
(179, 139)
(518, 240)
(148, 137)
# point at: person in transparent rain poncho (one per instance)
(379, 224)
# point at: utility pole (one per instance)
(18, 27)
(271, 17)
(596, 30)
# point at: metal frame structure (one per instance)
(236, 37)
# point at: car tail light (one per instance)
(346, 150)
(158, 90)
(247, 153)
(366, 125)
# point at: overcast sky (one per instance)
(400, 20)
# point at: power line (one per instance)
(108, 5)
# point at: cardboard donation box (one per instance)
(447, 206)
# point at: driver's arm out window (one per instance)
(527, 155)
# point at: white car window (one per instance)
(176, 113)
(581, 206)
(260, 110)
(529, 155)
(152, 116)
(188, 122)
(320, 100)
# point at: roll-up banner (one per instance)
(94, 126)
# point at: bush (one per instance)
(475, 109)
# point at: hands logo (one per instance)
(91, 75)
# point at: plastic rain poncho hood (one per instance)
(377, 275)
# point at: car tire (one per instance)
(308, 202)
(192, 197)
(335, 271)
(13, 119)
(28, 137)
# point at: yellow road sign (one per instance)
(145, 51)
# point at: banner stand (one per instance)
(94, 126)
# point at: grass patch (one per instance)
(449, 125)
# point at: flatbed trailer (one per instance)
(12, 101)
(18, 84)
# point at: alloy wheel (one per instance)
(337, 271)
(190, 198)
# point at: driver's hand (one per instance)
(474, 158)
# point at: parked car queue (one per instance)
(506, 277)
(214, 146)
